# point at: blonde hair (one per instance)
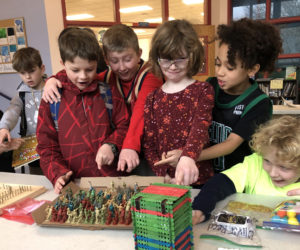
(171, 40)
(282, 133)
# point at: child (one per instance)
(178, 114)
(273, 169)
(28, 63)
(6, 150)
(84, 144)
(130, 75)
(245, 48)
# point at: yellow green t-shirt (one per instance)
(250, 177)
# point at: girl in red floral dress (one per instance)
(178, 114)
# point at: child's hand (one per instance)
(105, 155)
(61, 182)
(198, 217)
(171, 158)
(14, 144)
(4, 135)
(51, 93)
(293, 192)
(186, 171)
(169, 180)
(128, 157)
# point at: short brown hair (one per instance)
(26, 59)
(170, 41)
(74, 41)
(282, 133)
(118, 38)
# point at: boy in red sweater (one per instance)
(130, 75)
(84, 144)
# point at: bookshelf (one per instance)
(288, 90)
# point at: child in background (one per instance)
(178, 114)
(130, 75)
(245, 47)
(273, 169)
(28, 63)
(6, 150)
(84, 144)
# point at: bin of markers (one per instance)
(162, 217)
(286, 216)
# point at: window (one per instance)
(144, 16)
(283, 13)
(250, 9)
(136, 12)
(285, 8)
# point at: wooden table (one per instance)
(286, 110)
(20, 236)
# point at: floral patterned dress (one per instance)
(179, 121)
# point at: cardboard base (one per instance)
(99, 183)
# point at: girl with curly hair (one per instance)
(246, 47)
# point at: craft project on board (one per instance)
(11, 193)
(26, 153)
(106, 203)
(257, 212)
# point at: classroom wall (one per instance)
(33, 12)
(55, 26)
(219, 15)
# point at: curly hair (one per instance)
(171, 40)
(251, 41)
(282, 133)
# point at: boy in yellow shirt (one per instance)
(274, 168)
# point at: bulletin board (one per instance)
(12, 38)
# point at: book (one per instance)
(26, 153)
(290, 72)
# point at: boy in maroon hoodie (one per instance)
(90, 129)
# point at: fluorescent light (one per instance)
(189, 2)
(135, 9)
(154, 20)
(157, 20)
(79, 16)
(138, 31)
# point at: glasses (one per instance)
(179, 63)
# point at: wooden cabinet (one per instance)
(288, 90)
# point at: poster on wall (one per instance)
(12, 38)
